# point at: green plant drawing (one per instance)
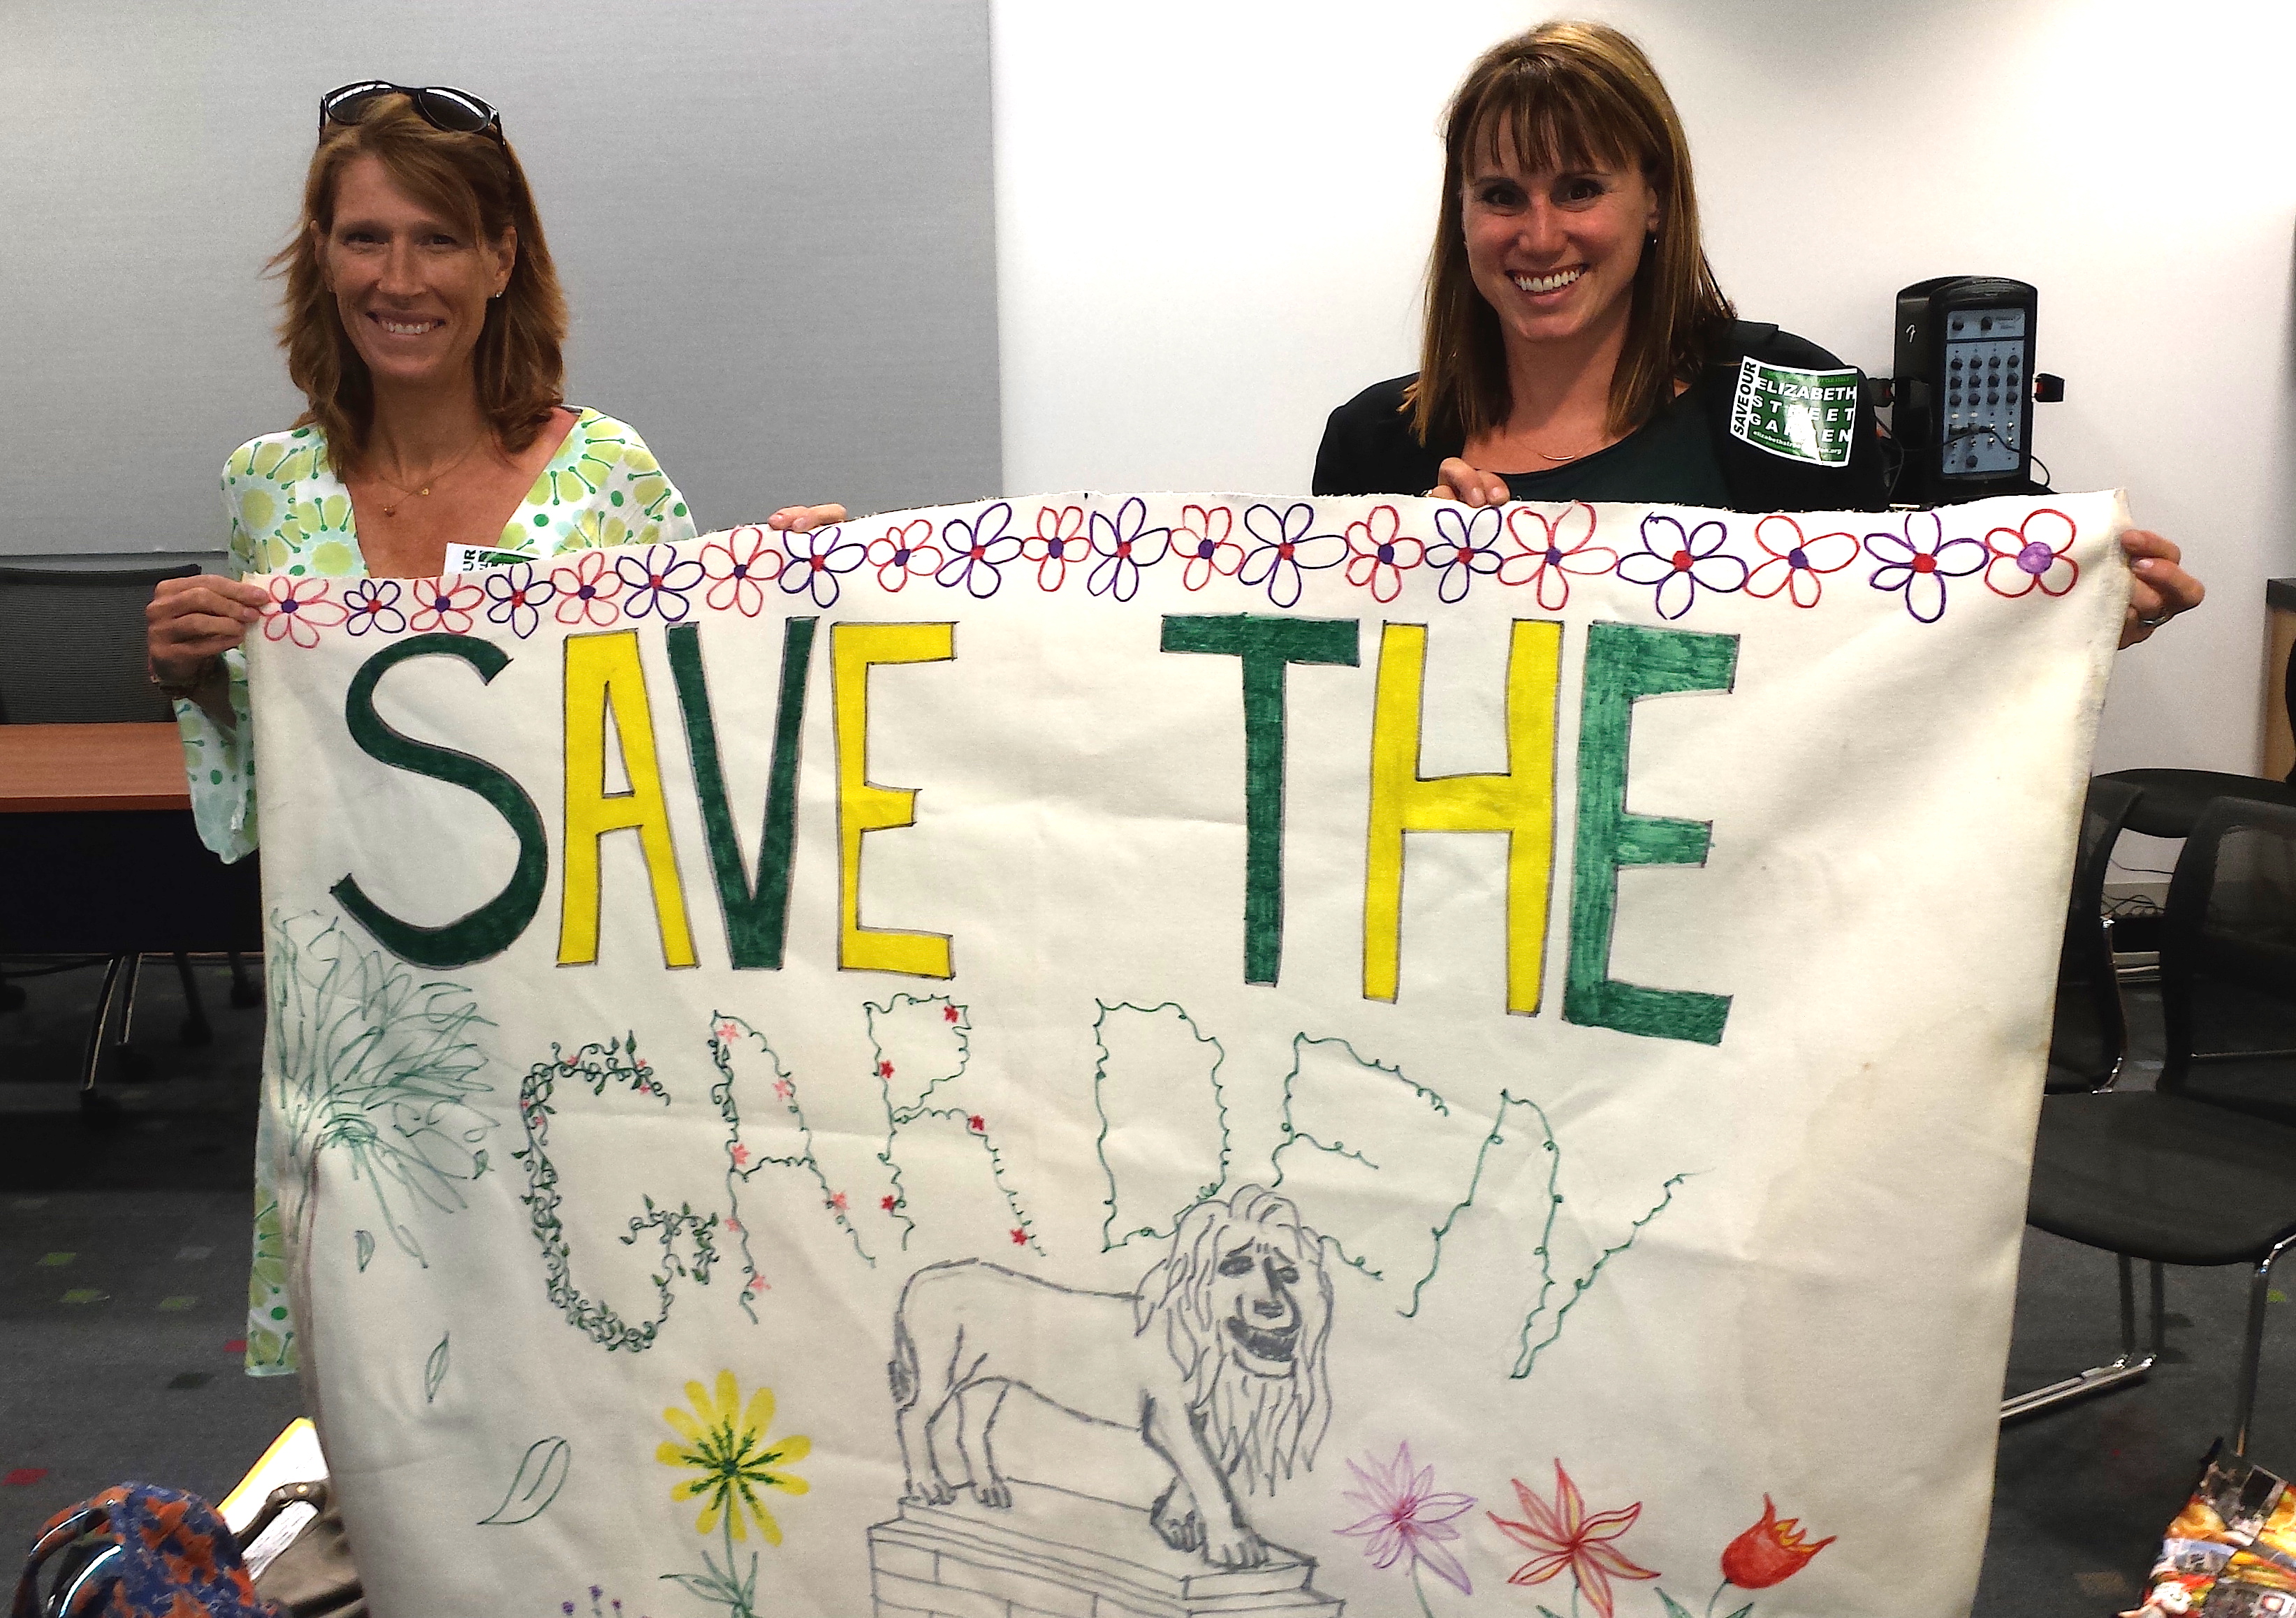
(907, 1087)
(541, 1473)
(1175, 1118)
(616, 1062)
(1527, 1354)
(747, 1153)
(434, 1370)
(366, 1059)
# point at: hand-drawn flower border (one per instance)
(1259, 547)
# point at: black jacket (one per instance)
(1368, 447)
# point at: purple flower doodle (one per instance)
(1123, 545)
(1407, 1518)
(1467, 543)
(373, 604)
(660, 581)
(1679, 565)
(1918, 563)
(513, 594)
(978, 551)
(1284, 547)
(817, 561)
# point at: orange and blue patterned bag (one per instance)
(138, 1551)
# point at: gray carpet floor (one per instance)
(123, 1268)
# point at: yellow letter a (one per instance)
(603, 671)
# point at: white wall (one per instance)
(1212, 219)
(773, 220)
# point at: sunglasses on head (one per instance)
(456, 111)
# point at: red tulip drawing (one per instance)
(1769, 1553)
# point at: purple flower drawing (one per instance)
(1124, 546)
(1467, 543)
(1918, 564)
(660, 581)
(1284, 547)
(373, 604)
(513, 594)
(816, 562)
(1405, 1518)
(1679, 565)
(978, 551)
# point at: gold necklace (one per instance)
(392, 510)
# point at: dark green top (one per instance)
(1668, 460)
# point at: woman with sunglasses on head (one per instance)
(1574, 330)
(425, 325)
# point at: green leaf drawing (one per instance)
(541, 1474)
(1675, 1609)
(434, 1372)
(366, 1243)
(1744, 1612)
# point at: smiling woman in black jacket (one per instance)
(1577, 346)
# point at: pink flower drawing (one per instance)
(1405, 1517)
(300, 608)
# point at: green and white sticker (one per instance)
(1800, 415)
(477, 558)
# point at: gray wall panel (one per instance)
(774, 221)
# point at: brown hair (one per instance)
(475, 180)
(1571, 95)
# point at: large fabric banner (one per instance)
(1128, 1056)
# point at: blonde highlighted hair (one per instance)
(474, 180)
(1565, 96)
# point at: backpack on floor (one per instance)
(137, 1551)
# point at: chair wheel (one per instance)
(195, 1031)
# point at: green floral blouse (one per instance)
(291, 514)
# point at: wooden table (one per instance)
(82, 768)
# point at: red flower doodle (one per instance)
(1770, 1552)
(1020, 1237)
(1379, 555)
(837, 1201)
(587, 590)
(726, 1031)
(886, 1202)
(439, 604)
(1795, 569)
(1059, 541)
(300, 608)
(1567, 1539)
(885, 1070)
(739, 566)
(1201, 536)
(785, 1089)
(977, 1124)
(757, 1283)
(1545, 553)
(740, 1156)
(949, 1013)
(900, 554)
(2022, 560)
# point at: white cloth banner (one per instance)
(1119, 1055)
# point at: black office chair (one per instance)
(2170, 1175)
(2088, 1034)
(2172, 800)
(71, 652)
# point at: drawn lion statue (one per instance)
(1215, 1361)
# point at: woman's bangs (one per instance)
(1551, 122)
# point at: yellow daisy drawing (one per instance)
(725, 1444)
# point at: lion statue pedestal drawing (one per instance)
(1070, 1555)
